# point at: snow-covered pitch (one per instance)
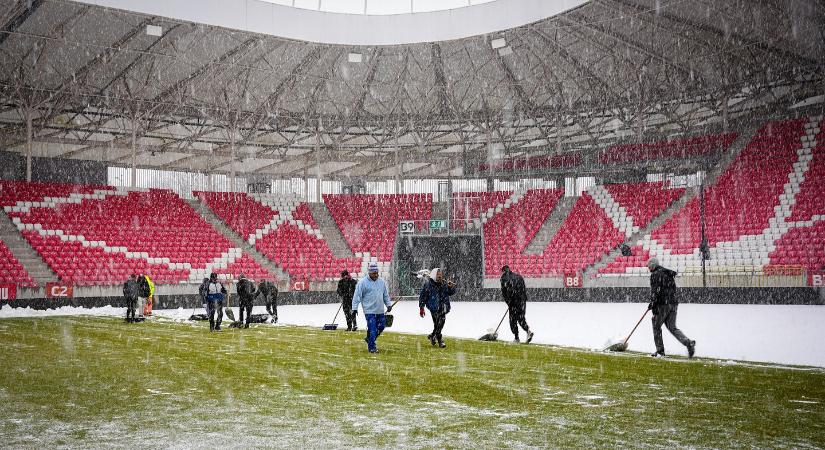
(782, 334)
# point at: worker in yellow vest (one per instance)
(147, 310)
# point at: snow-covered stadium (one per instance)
(572, 141)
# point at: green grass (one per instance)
(97, 382)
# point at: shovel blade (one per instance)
(331, 326)
(619, 347)
(489, 337)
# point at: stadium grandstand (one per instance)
(407, 224)
(577, 139)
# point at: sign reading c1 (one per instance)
(300, 285)
(57, 290)
(8, 291)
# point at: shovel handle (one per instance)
(637, 326)
(502, 320)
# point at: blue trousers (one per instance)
(375, 326)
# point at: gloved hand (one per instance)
(421, 311)
(389, 308)
(650, 306)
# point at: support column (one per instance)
(318, 163)
(28, 113)
(725, 101)
(232, 159)
(399, 188)
(134, 154)
(209, 184)
(306, 185)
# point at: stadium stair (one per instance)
(742, 139)
(30, 270)
(282, 229)
(512, 200)
(440, 210)
(551, 226)
(468, 206)
(777, 157)
(99, 235)
(805, 222)
(332, 235)
(211, 218)
(369, 223)
(508, 232)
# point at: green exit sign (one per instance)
(438, 224)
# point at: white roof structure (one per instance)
(193, 95)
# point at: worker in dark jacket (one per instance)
(130, 293)
(269, 292)
(664, 305)
(515, 296)
(203, 291)
(346, 289)
(215, 295)
(246, 295)
(435, 295)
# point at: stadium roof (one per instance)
(207, 98)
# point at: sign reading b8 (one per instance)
(572, 280)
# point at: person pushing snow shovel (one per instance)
(664, 305)
(514, 292)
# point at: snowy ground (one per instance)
(764, 333)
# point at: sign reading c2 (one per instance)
(57, 290)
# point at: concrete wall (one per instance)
(762, 296)
(54, 170)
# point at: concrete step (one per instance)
(741, 141)
(329, 228)
(550, 226)
(24, 253)
(441, 210)
(211, 218)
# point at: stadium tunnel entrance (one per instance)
(460, 256)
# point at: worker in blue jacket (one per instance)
(372, 292)
(435, 295)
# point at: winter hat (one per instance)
(373, 268)
(652, 263)
(344, 273)
(434, 273)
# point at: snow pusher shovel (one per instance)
(228, 311)
(333, 326)
(622, 346)
(388, 318)
(494, 335)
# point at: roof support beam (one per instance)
(26, 9)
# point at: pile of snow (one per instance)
(784, 334)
